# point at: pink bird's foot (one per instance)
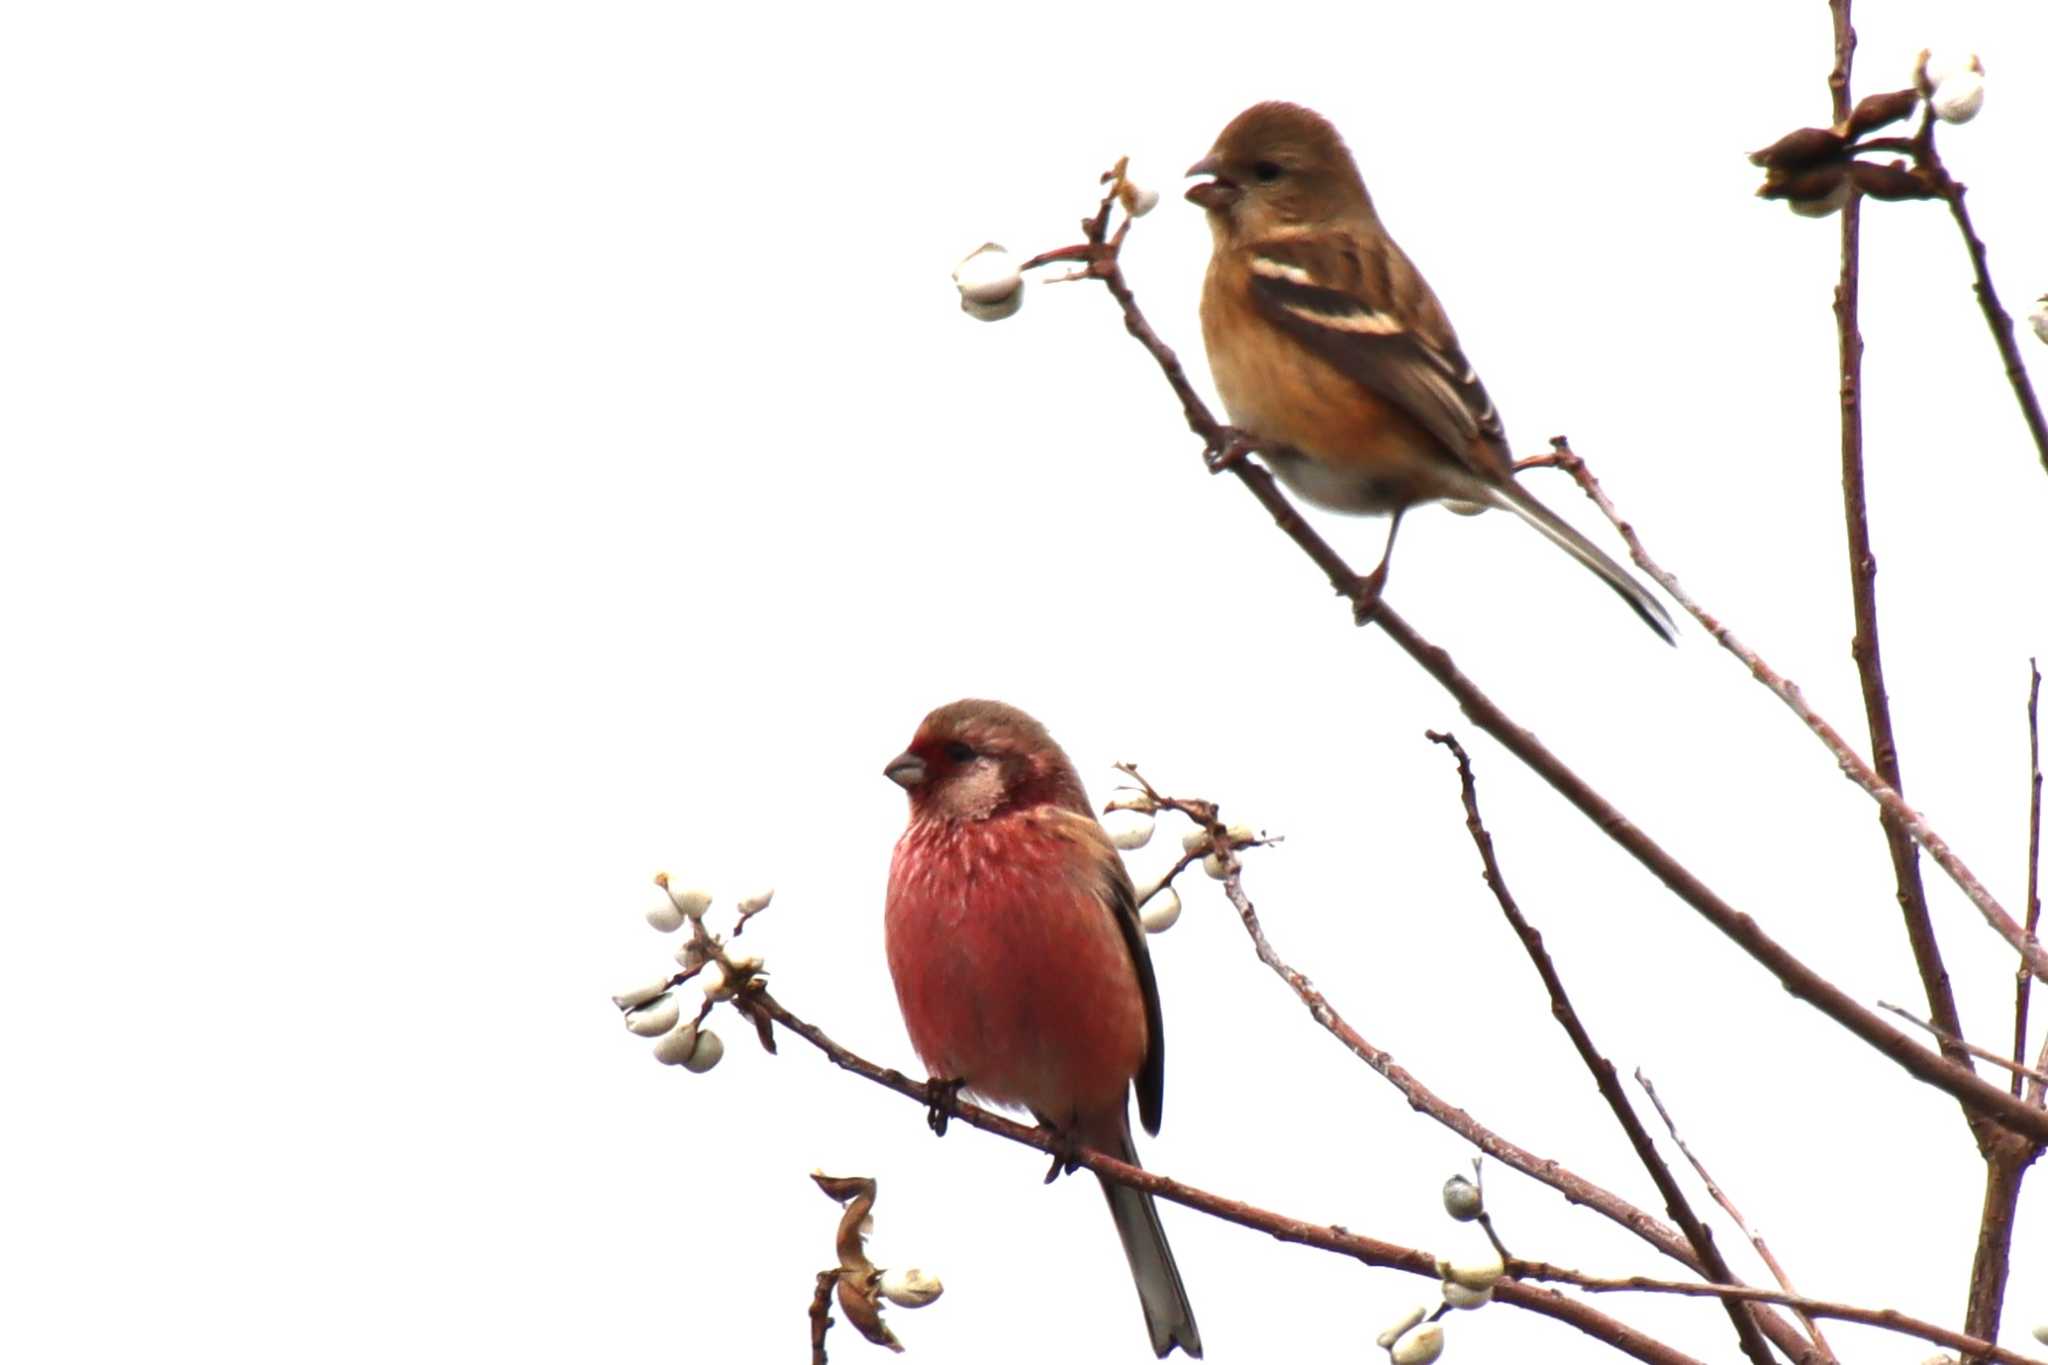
(1231, 446)
(942, 1102)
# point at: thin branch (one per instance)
(1995, 316)
(821, 1314)
(1787, 691)
(1798, 978)
(1863, 647)
(2023, 991)
(2018, 1069)
(1819, 1308)
(1322, 1236)
(1604, 1076)
(1728, 1207)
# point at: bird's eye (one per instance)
(959, 753)
(1268, 171)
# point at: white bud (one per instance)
(1215, 866)
(2041, 1334)
(663, 914)
(1194, 842)
(756, 903)
(1138, 200)
(1420, 1346)
(692, 903)
(1241, 834)
(1958, 98)
(674, 1049)
(657, 1016)
(640, 995)
(2040, 319)
(689, 953)
(1478, 1275)
(1462, 1199)
(909, 1288)
(1393, 1334)
(1130, 829)
(1461, 1296)
(744, 964)
(990, 287)
(705, 1055)
(1160, 912)
(712, 979)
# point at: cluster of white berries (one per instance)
(1951, 83)
(1418, 1338)
(1130, 820)
(2039, 317)
(652, 1010)
(990, 283)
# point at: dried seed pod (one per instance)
(1462, 1199)
(1875, 111)
(1893, 181)
(911, 1288)
(1462, 1296)
(657, 1016)
(1801, 148)
(1393, 1334)
(1160, 912)
(706, 1054)
(1130, 829)
(674, 1048)
(1419, 1346)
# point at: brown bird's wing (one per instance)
(1114, 887)
(1370, 315)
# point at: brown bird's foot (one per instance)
(942, 1102)
(1365, 594)
(1230, 446)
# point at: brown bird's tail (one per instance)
(1524, 505)
(1168, 1315)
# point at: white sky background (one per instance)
(461, 459)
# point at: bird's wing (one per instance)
(1368, 312)
(1113, 885)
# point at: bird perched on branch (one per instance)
(1020, 963)
(1332, 355)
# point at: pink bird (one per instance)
(1020, 963)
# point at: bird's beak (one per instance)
(905, 770)
(1217, 194)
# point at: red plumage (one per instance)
(1019, 962)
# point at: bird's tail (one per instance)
(1168, 1315)
(1524, 505)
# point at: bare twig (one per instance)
(1728, 1207)
(1819, 1308)
(1864, 647)
(821, 1314)
(1787, 691)
(1325, 1237)
(1605, 1078)
(2018, 1069)
(2023, 991)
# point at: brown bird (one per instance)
(1332, 354)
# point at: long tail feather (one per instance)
(1168, 1315)
(1560, 533)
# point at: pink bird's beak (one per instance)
(906, 770)
(1217, 194)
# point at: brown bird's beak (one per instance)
(905, 770)
(1217, 194)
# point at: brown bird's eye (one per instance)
(1268, 171)
(959, 753)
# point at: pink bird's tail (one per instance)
(1168, 1315)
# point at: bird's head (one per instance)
(1277, 165)
(973, 759)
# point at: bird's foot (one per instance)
(1364, 593)
(942, 1101)
(1230, 446)
(1066, 1151)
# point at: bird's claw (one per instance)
(1066, 1152)
(1364, 593)
(942, 1101)
(1230, 446)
